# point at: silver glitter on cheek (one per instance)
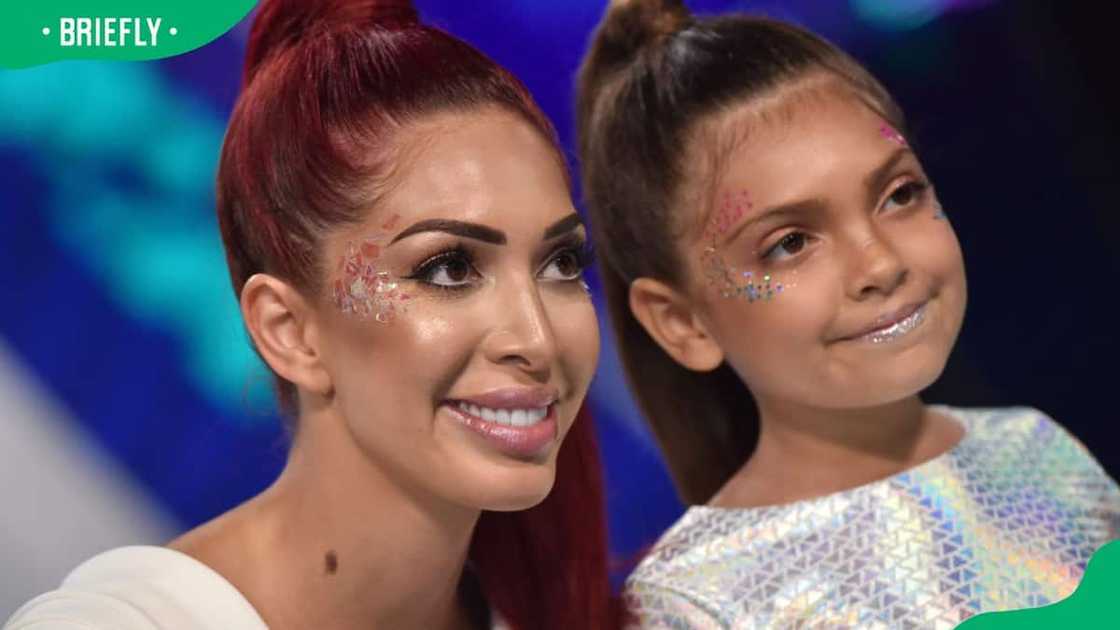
(899, 328)
(732, 283)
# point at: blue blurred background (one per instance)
(132, 407)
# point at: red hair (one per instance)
(329, 86)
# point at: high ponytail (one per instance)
(328, 86)
(282, 23)
(629, 27)
(652, 75)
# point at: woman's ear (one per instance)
(671, 319)
(284, 331)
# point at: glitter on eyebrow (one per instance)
(892, 134)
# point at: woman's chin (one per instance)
(506, 488)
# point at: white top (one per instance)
(146, 588)
(140, 588)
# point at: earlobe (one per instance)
(671, 319)
(282, 328)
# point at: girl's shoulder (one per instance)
(1018, 431)
(139, 588)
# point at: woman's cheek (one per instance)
(576, 327)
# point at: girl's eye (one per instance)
(790, 245)
(567, 264)
(448, 270)
(906, 194)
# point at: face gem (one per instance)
(892, 134)
(939, 213)
(728, 214)
(722, 276)
(363, 289)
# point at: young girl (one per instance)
(783, 283)
(400, 233)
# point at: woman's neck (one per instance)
(804, 452)
(335, 543)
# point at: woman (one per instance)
(399, 231)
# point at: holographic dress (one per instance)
(1006, 519)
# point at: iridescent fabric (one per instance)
(1006, 519)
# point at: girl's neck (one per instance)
(804, 452)
(335, 543)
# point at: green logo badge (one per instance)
(1092, 606)
(35, 32)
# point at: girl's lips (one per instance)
(887, 320)
(521, 442)
(898, 329)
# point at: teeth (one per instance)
(508, 417)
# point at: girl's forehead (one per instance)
(817, 139)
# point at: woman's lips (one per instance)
(520, 421)
(513, 397)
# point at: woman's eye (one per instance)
(450, 270)
(905, 194)
(565, 265)
(790, 245)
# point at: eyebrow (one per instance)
(459, 228)
(875, 180)
(563, 226)
(481, 232)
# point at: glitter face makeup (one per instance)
(471, 297)
(939, 212)
(840, 239)
(892, 134)
(361, 287)
(733, 283)
(730, 281)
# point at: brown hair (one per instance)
(654, 73)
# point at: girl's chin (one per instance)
(884, 387)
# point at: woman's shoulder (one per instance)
(139, 588)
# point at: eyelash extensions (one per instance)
(460, 253)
